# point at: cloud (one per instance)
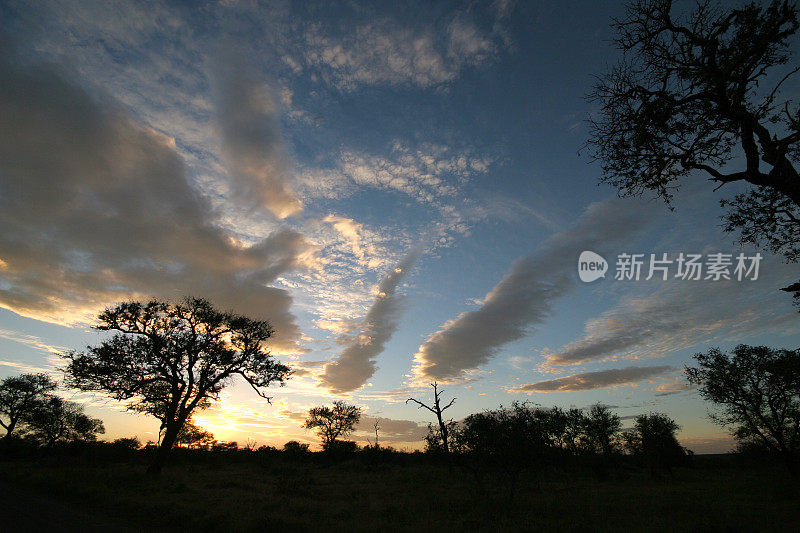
(597, 380)
(391, 430)
(252, 145)
(428, 173)
(352, 231)
(384, 52)
(524, 296)
(31, 341)
(356, 364)
(95, 208)
(678, 386)
(681, 314)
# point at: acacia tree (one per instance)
(333, 422)
(757, 392)
(695, 93)
(601, 426)
(653, 439)
(168, 360)
(19, 395)
(55, 420)
(437, 409)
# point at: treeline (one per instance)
(170, 361)
(522, 435)
(510, 440)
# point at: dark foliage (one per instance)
(55, 420)
(169, 360)
(20, 396)
(700, 92)
(756, 390)
(653, 440)
(333, 422)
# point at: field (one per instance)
(285, 495)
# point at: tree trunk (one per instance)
(443, 430)
(163, 450)
(11, 425)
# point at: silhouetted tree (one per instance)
(192, 436)
(507, 440)
(127, 443)
(653, 439)
(330, 423)
(294, 448)
(169, 360)
(376, 426)
(696, 92)
(19, 395)
(601, 427)
(56, 420)
(757, 392)
(575, 430)
(437, 409)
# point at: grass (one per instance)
(295, 496)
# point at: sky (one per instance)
(402, 189)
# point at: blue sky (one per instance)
(400, 188)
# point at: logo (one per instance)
(591, 266)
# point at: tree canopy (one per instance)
(56, 420)
(332, 422)
(702, 93)
(756, 390)
(19, 396)
(653, 439)
(168, 360)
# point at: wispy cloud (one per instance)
(352, 231)
(252, 145)
(37, 343)
(428, 173)
(597, 380)
(524, 296)
(385, 52)
(680, 314)
(356, 364)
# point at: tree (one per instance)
(294, 448)
(507, 440)
(700, 92)
(653, 439)
(574, 429)
(169, 360)
(56, 420)
(757, 393)
(437, 409)
(127, 443)
(331, 423)
(18, 397)
(601, 426)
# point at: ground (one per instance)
(281, 495)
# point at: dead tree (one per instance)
(437, 409)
